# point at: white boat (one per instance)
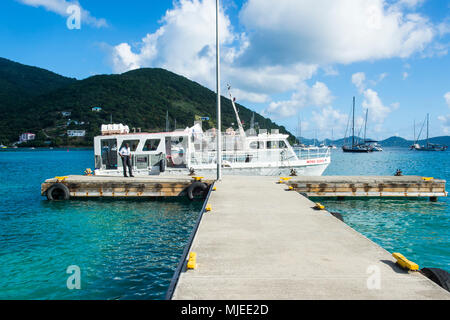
(193, 151)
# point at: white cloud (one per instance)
(358, 79)
(405, 75)
(60, 7)
(329, 118)
(445, 123)
(317, 95)
(185, 44)
(377, 110)
(447, 98)
(350, 30)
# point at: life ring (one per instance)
(58, 191)
(195, 189)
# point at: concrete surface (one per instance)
(263, 242)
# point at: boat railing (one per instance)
(312, 153)
(275, 156)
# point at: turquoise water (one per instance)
(129, 249)
(125, 249)
(419, 229)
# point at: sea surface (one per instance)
(126, 249)
(417, 228)
(129, 249)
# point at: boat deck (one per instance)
(262, 241)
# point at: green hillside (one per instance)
(138, 98)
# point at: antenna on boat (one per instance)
(219, 129)
(353, 127)
(241, 129)
(167, 121)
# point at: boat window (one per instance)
(276, 144)
(176, 148)
(132, 143)
(109, 153)
(151, 145)
(254, 145)
(272, 144)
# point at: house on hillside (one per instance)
(76, 133)
(66, 113)
(25, 137)
(96, 109)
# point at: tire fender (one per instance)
(61, 188)
(196, 186)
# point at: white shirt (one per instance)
(124, 151)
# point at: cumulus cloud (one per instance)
(185, 44)
(377, 110)
(445, 122)
(317, 95)
(358, 79)
(60, 7)
(350, 31)
(447, 98)
(329, 118)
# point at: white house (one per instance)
(24, 137)
(66, 113)
(76, 133)
(96, 109)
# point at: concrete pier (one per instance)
(121, 187)
(369, 186)
(261, 241)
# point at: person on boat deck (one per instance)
(125, 154)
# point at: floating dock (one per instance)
(259, 240)
(121, 187)
(369, 186)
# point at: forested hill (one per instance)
(33, 99)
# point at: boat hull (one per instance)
(315, 167)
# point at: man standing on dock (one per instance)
(125, 154)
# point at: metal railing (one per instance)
(312, 153)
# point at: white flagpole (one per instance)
(219, 129)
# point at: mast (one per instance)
(365, 125)
(414, 131)
(219, 120)
(299, 130)
(353, 126)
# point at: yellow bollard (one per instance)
(208, 208)
(192, 261)
(405, 263)
(319, 206)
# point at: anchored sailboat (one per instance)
(429, 146)
(356, 147)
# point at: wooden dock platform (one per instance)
(104, 186)
(368, 186)
(262, 241)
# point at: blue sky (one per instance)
(286, 59)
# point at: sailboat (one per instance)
(356, 147)
(429, 146)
